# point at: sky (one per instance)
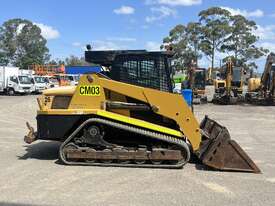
(128, 24)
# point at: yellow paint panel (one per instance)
(118, 117)
(67, 111)
(139, 123)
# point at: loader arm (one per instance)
(167, 104)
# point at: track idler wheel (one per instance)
(71, 147)
(220, 152)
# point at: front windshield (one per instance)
(71, 78)
(63, 77)
(24, 80)
(77, 78)
(39, 79)
(237, 74)
(46, 79)
(53, 80)
(200, 79)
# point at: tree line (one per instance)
(21, 45)
(216, 32)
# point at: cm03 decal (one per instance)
(89, 90)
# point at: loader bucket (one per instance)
(218, 151)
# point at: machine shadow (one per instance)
(41, 150)
(194, 160)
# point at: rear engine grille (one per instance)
(61, 102)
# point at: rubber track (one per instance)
(169, 139)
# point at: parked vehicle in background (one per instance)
(12, 82)
(232, 92)
(38, 84)
(261, 91)
(51, 81)
(73, 79)
(62, 79)
(199, 86)
(212, 74)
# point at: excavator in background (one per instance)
(62, 79)
(219, 85)
(129, 117)
(262, 90)
(230, 90)
(197, 82)
(212, 74)
(199, 85)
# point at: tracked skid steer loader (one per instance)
(129, 117)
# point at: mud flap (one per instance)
(218, 151)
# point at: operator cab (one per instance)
(137, 67)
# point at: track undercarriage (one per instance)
(258, 98)
(228, 98)
(104, 142)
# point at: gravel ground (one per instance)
(31, 174)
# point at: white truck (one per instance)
(11, 81)
(51, 81)
(73, 79)
(39, 83)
